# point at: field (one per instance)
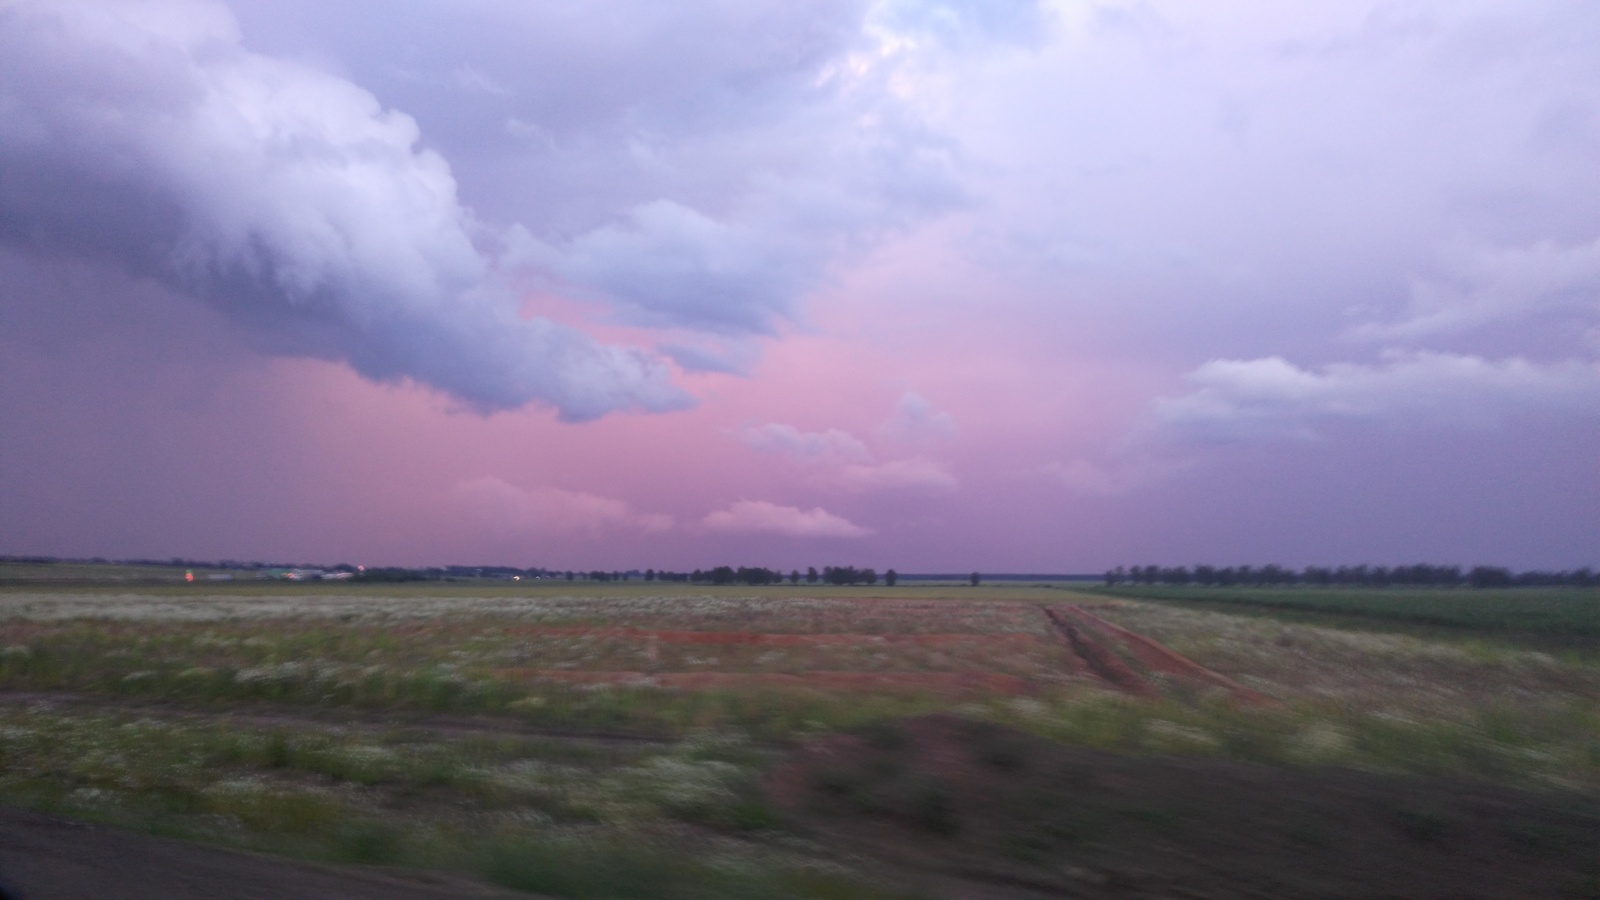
(1570, 614)
(649, 740)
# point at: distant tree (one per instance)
(811, 575)
(569, 576)
(649, 574)
(390, 574)
(974, 579)
(1275, 574)
(890, 577)
(794, 576)
(1489, 576)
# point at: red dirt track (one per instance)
(852, 682)
(1096, 650)
(1160, 658)
(773, 639)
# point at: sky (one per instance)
(937, 285)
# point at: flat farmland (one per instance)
(644, 740)
(1552, 615)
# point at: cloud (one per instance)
(1239, 400)
(1487, 286)
(144, 137)
(915, 420)
(900, 474)
(1082, 476)
(962, 22)
(808, 447)
(727, 208)
(547, 510)
(760, 516)
(666, 264)
(840, 460)
(733, 357)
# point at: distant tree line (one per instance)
(1421, 575)
(750, 575)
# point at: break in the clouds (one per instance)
(144, 136)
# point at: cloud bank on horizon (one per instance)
(890, 271)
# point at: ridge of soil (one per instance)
(974, 809)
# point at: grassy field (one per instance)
(1572, 613)
(593, 740)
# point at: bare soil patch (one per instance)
(976, 809)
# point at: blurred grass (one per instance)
(611, 820)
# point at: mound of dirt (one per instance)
(973, 809)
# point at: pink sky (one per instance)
(1047, 288)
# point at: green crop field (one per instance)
(1560, 611)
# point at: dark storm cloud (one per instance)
(144, 137)
(701, 165)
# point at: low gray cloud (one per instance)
(916, 420)
(841, 461)
(1496, 286)
(146, 138)
(833, 447)
(1237, 400)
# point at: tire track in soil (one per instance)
(1161, 658)
(1087, 635)
(1098, 660)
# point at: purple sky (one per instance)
(947, 285)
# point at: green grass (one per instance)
(145, 743)
(1562, 611)
(559, 818)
